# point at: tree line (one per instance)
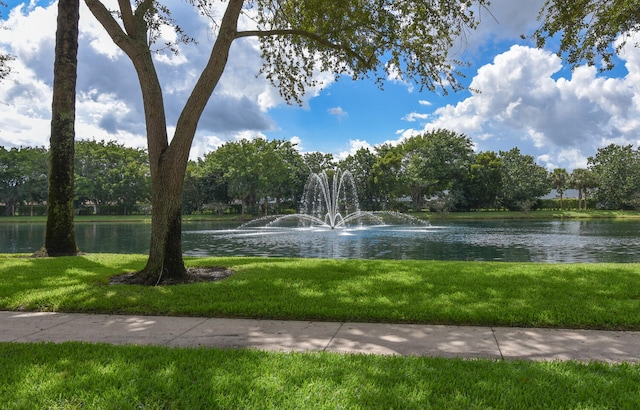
(437, 170)
(109, 179)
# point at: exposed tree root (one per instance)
(194, 275)
(43, 253)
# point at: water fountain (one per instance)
(329, 224)
(330, 200)
(332, 203)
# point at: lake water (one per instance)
(513, 240)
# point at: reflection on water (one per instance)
(539, 241)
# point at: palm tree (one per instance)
(559, 181)
(582, 179)
(589, 184)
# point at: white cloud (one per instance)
(354, 146)
(36, 34)
(297, 142)
(337, 112)
(415, 116)
(564, 120)
(425, 102)
(394, 75)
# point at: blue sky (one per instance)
(528, 98)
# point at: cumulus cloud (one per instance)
(563, 120)
(109, 103)
(354, 146)
(297, 142)
(415, 116)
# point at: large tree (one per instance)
(359, 38)
(108, 173)
(389, 175)
(479, 188)
(434, 160)
(60, 238)
(523, 181)
(23, 177)
(256, 170)
(616, 169)
(360, 164)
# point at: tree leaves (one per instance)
(362, 39)
(588, 28)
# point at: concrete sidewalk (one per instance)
(374, 338)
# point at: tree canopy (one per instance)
(617, 171)
(107, 173)
(522, 180)
(587, 29)
(23, 177)
(363, 39)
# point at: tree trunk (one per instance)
(165, 261)
(561, 208)
(60, 236)
(168, 162)
(586, 198)
(416, 198)
(579, 199)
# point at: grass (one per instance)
(80, 375)
(475, 215)
(535, 215)
(125, 218)
(593, 296)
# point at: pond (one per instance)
(507, 240)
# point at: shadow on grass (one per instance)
(605, 296)
(45, 283)
(102, 376)
(504, 294)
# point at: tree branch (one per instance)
(311, 36)
(103, 15)
(127, 16)
(208, 80)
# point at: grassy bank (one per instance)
(596, 296)
(534, 215)
(79, 375)
(479, 215)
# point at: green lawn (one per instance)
(84, 376)
(79, 375)
(595, 296)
